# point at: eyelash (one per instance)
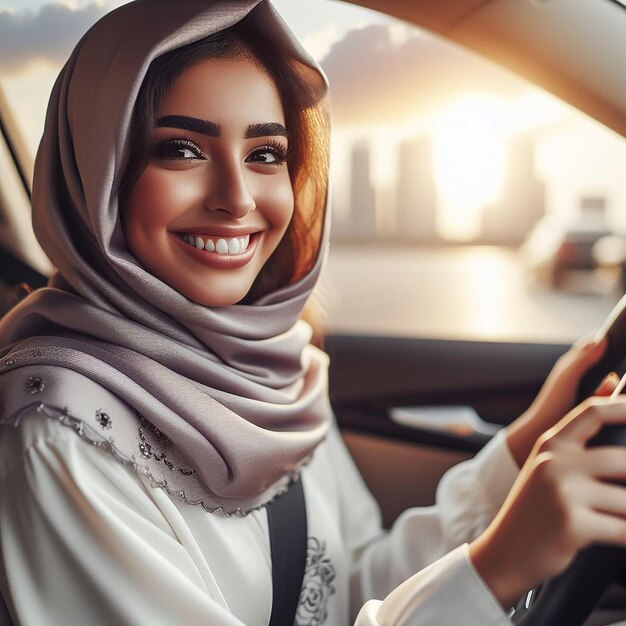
(161, 148)
(276, 148)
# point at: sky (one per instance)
(36, 36)
(387, 81)
(49, 27)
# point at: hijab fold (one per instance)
(220, 406)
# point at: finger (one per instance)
(591, 352)
(587, 419)
(606, 498)
(585, 340)
(583, 354)
(608, 385)
(604, 528)
(603, 462)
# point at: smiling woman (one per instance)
(186, 153)
(168, 452)
(215, 199)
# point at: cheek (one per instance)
(278, 202)
(157, 198)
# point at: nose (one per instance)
(229, 191)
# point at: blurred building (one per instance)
(359, 221)
(416, 196)
(362, 214)
(523, 200)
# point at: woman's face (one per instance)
(215, 198)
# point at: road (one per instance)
(465, 292)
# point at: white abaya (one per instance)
(85, 540)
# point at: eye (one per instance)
(270, 154)
(177, 149)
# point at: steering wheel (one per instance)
(568, 599)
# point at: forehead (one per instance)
(225, 91)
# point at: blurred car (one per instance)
(609, 252)
(554, 249)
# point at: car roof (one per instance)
(573, 49)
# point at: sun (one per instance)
(470, 141)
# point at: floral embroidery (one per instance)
(317, 587)
(34, 384)
(103, 419)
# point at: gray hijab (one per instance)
(220, 406)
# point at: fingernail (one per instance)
(599, 337)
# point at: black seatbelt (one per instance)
(286, 516)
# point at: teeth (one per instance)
(230, 245)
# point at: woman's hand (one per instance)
(557, 396)
(560, 503)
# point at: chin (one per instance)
(211, 298)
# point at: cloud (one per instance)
(380, 75)
(48, 34)
(319, 42)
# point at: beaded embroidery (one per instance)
(160, 436)
(145, 447)
(92, 437)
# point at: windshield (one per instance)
(461, 174)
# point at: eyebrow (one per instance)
(193, 124)
(206, 127)
(269, 129)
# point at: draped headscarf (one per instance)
(220, 406)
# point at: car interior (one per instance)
(410, 407)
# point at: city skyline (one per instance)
(410, 208)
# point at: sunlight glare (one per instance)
(470, 141)
(537, 109)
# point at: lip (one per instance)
(220, 261)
